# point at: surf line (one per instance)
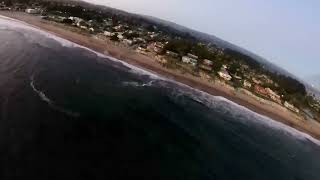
(51, 104)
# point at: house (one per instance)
(237, 77)
(189, 60)
(139, 40)
(4, 7)
(19, 7)
(205, 67)
(107, 33)
(81, 23)
(84, 27)
(172, 54)
(161, 60)
(274, 96)
(291, 107)
(32, 11)
(142, 50)
(156, 47)
(256, 81)
(223, 73)
(261, 90)
(91, 29)
(224, 66)
(75, 19)
(193, 56)
(120, 36)
(118, 28)
(128, 42)
(207, 62)
(247, 84)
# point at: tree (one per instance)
(217, 66)
(67, 21)
(234, 68)
(114, 38)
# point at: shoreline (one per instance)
(125, 54)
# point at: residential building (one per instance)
(172, 54)
(118, 28)
(205, 67)
(261, 90)
(128, 42)
(120, 36)
(107, 33)
(161, 60)
(32, 11)
(247, 84)
(223, 73)
(207, 62)
(139, 40)
(274, 96)
(189, 60)
(142, 50)
(156, 47)
(193, 56)
(256, 81)
(237, 77)
(291, 107)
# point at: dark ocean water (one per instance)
(66, 113)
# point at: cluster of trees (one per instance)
(183, 46)
(77, 11)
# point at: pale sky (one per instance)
(286, 32)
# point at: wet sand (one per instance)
(266, 108)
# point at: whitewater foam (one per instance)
(41, 94)
(223, 104)
(51, 104)
(67, 43)
(137, 84)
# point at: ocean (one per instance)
(67, 112)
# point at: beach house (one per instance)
(224, 74)
(190, 59)
(291, 107)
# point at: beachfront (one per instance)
(128, 55)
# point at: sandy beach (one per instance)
(126, 54)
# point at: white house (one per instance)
(291, 107)
(120, 36)
(247, 84)
(189, 60)
(186, 59)
(32, 11)
(225, 75)
(127, 42)
(107, 33)
(193, 56)
(172, 54)
(207, 62)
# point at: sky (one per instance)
(285, 32)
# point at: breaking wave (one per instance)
(137, 84)
(244, 114)
(5, 21)
(51, 104)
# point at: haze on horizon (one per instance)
(285, 32)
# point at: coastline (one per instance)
(277, 113)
